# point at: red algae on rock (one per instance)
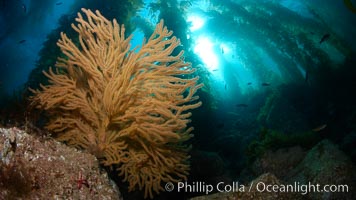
(33, 167)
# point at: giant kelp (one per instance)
(289, 39)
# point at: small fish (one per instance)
(222, 50)
(59, 3)
(225, 86)
(22, 41)
(249, 83)
(266, 84)
(319, 128)
(242, 105)
(214, 70)
(23, 6)
(324, 38)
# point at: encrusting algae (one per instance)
(127, 106)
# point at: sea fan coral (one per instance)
(127, 106)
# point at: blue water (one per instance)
(33, 20)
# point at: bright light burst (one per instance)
(204, 48)
(197, 22)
